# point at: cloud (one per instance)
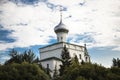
(33, 24)
(29, 2)
(97, 19)
(28, 27)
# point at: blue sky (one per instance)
(29, 24)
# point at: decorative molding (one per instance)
(61, 43)
(50, 50)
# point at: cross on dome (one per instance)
(60, 13)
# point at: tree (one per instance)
(80, 78)
(55, 74)
(48, 70)
(116, 62)
(82, 62)
(27, 56)
(15, 57)
(23, 71)
(76, 60)
(66, 60)
(36, 60)
(13, 53)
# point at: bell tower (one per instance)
(61, 30)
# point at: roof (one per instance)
(61, 28)
(51, 58)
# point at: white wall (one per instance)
(52, 64)
(55, 50)
(51, 51)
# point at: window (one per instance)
(86, 59)
(58, 38)
(47, 65)
(61, 38)
(80, 56)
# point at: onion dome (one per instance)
(61, 28)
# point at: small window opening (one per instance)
(86, 58)
(80, 56)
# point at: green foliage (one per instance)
(20, 68)
(27, 56)
(65, 60)
(74, 61)
(89, 71)
(80, 78)
(116, 62)
(47, 70)
(24, 71)
(115, 70)
(55, 74)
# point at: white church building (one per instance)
(50, 56)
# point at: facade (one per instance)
(51, 55)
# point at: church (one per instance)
(50, 56)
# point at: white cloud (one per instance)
(98, 17)
(36, 30)
(66, 3)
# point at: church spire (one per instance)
(61, 30)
